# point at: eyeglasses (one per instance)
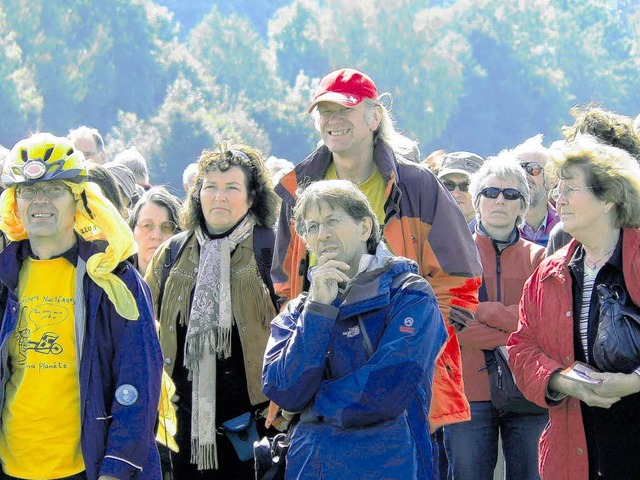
(532, 168)
(50, 190)
(451, 185)
(166, 228)
(567, 191)
(507, 193)
(312, 228)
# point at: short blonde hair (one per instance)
(612, 174)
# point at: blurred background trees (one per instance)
(175, 76)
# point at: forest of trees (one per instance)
(175, 76)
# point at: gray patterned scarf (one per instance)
(209, 336)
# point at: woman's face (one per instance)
(499, 214)
(580, 210)
(224, 199)
(154, 226)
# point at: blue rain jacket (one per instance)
(116, 439)
(364, 410)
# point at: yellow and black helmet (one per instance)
(43, 157)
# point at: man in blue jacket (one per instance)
(81, 363)
(356, 354)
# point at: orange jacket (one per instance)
(423, 223)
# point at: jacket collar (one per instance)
(315, 166)
(13, 255)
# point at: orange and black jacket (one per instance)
(423, 223)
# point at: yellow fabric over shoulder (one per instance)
(10, 223)
(105, 223)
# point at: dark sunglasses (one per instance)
(507, 193)
(532, 168)
(451, 186)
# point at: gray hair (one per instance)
(503, 166)
(341, 194)
(161, 197)
(133, 159)
(386, 131)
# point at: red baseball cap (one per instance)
(347, 87)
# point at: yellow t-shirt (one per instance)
(373, 188)
(40, 435)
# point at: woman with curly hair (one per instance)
(215, 307)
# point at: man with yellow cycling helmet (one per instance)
(80, 359)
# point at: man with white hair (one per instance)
(542, 216)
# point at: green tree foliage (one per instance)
(91, 60)
(477, 75)
(19, 97)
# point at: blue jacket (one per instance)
(364, 394)
(117, 440)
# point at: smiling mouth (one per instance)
(338, 133)
(42, 215)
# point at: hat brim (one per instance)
(350, 100)
(448, 171)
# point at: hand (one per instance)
(616, 384)
(272, 414)
(326, 277)
(585, 392)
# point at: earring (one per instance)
(606, 210)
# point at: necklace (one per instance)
(594, 265)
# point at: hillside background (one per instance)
(175, 76)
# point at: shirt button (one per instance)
(195, 270)
(568, 359)
(574, 406)
(244, 329)
(171, 328)
(167, 361)
(568, 314)
(179, 298)
(580, 451)
(248, 361)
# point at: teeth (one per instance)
(338, 133)
(41, 215)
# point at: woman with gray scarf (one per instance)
(216, 306)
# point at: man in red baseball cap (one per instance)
(419, 218)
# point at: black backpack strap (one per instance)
(171, 254)
(263, 241)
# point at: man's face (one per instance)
(47, 211)
(534, 163)
(336, 235)
(88, 146)
(458, 186)
(345, 130)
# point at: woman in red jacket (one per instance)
(594, 427)
(500, 196)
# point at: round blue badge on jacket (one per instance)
(126, 395)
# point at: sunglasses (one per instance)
(532, 168)
(451, 186)
(507, 193)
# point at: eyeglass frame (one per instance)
(568, 191)
(457, 185)
(144, 226)
(527, 168)
(304, 229)
(506, 193)
(46, 186)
